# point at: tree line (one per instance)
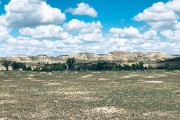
(71, 65)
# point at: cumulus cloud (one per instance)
(131, 39)
(75, 31)
(76, 25)
(83, 9)
(46, 32)
(36, 1)
(158, 12)
(171, 35)
(4, 32)
(164, 18)
(39, 34)
(85, 31)
(80, 42)
(27, 42)
(161, 15)
(133, 34)
(26, 45)
(27, 13)
(22, 45)
(88, 37)
(150, 36)
(23, 41)
(130, 32)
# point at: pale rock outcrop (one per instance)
(119, 56)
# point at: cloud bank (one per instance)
(43, 29)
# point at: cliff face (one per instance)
(86, 57)
(121, 56)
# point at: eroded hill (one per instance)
(153, 58)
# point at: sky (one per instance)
(59, 27)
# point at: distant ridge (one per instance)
(112, 56)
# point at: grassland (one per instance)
(140, 95)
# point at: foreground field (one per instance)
(151, 95)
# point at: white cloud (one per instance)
(158, 12)
(130, 32)
(3, 21)
(80, 26)
(53, 44)
(36, 1)
(74, 31)
(171, 35)
(26, 13)
(91, 37)
(88, 37)
(155, 16)
(85, 31)
(4, 32)
(23, 41)
(165, 47)
(150, 36)
(133, 34)
(164, 25)
(83, 9)
(161, 16)
(75, 25)
(174, 5)
(25, 45)
(164, 18)
(130, 39)
(46, 32)
(40, 35)
(89, 41)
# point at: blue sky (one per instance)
(70, 26)
(111, 13)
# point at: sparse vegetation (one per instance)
(70, 63)
(99, 65)
(118, 95)
(18, 66)
(106, 90)
(54, 67)
(6, 64)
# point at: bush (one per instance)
(6, 64)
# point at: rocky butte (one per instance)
(120, 57)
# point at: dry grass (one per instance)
(153, 81)
(139, 95)
(107, 110)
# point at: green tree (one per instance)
(6, 64)
(18, 66)
(134, 67)
(141, 65)
(28, 68)
(70, 63)
(15, 65)
(126, 67)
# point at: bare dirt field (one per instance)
(140, 95)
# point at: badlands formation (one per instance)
(117, 56)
